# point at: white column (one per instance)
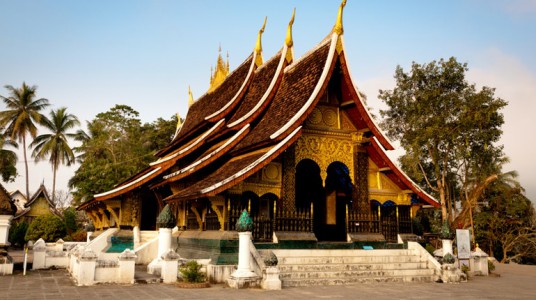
(447, 246)
(164, 241)
(243, 270)
(127, 261)
(5, 224)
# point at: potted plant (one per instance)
(446, 236)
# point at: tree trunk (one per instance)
(26, 168)
(55, 168)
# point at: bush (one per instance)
(48, 227)
(17, 233)
(70, 220)
(491, 266)
(191, 272)
(79, 236)
(430, 249)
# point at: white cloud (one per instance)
(516, 84)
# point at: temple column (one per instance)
(288, 190)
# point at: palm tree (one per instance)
(8, 159)
(54, 145)
(20, 117)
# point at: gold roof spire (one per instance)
(258, 46)
(338, 29)
(221, 72)
(179, 121)
(288, 40)
(190, 97)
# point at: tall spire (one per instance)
(221, 72)
(258, 46)
(338, 29)
(190, 98)
(288, 39)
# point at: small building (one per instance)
(39, 204)
(291, 141)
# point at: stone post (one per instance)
(478, 263)
(243, 277)
(447, 246)
(166, 221)
(272, 281)
(39, 255)
(127, 261)
(137, 234)
(5, 224)
(170, 266)
(86, 269)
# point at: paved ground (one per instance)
(515, 282)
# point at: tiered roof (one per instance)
(255, 114)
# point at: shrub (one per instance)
(70, 220)
(430, 249)
(491, 266)
(48, 227)
(191, 272)
(449, 259)
(79, 236)
(17, 233)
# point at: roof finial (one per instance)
(179, 121)
(288, 40)
(190, 97)
(258, 45)
(338, 24)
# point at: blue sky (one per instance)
(91, 55)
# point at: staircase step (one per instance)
(350, 267)
(353, 280)
(356, 274)
(316, 260)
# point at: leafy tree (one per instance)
(69, 215)
(447, 127)
(54, 145)
(115, 147)
(48, 227)
(8, 159)
(505, 223)
(17, 232)
(21, 116)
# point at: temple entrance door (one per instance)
(331, 213)
(149, 211)
(388, 222)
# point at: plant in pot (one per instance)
(446, 236)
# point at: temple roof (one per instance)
(253, 115)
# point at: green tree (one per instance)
(23, 112)
(48, 227)
(54, 146)
(69, 215)
(115, 147)
(447, 127)
(505, 224)
(8, 159)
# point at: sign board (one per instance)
(463, 240)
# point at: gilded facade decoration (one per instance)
(324, 116)
(361, 183)
(325, 150)
(288, 196)
(272, 172)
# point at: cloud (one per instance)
(515, 83)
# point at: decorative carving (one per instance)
(166, 219)
(244, 223)
(197, 216)
(272, 172)
(217, 204)
(288, 195)
(325, 150)
(324, 116)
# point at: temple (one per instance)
(288, 139)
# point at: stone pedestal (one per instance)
(447, 246)
(164, 245)
(5, 224)
(137, 234)
(39, 254)
(127, 261)
(243, 276)
(478, 264)
(86, 271)
(272, 281)
(170, 267)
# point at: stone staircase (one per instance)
(339, 267)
